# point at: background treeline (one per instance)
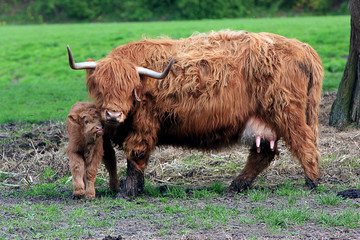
(51, 11)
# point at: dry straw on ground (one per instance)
(28, 150)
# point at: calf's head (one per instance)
(114, 82)
(88, 124)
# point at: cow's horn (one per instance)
(81, 65)
(153, 74)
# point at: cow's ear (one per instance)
(74, 119)
(137, 94)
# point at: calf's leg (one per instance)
(90, 177)
(77, 167)
(91, 168)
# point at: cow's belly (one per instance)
(213, 137)
(254, 129)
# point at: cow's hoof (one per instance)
(122, 183)
(311, 184)
(133, 187)
(238, 185)
(114, 185)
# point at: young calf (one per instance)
(85, 149)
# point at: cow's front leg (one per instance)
(138, 145)
(109, 160)
(137, 160)
(135, 179)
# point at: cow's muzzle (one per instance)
(113, 117)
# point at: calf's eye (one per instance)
(86, 121)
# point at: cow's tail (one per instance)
(315, 75)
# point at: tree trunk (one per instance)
(346, 107)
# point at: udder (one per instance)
(258, 129)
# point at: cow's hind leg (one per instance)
(302, 143)
(255, 164)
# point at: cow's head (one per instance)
(115, 84)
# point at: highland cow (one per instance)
(220, 84)
(85, 149)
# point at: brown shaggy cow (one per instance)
(85, 149)
(220, 84)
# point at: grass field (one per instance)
(36, 83)
(184, 188)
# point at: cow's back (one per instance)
(221, 79)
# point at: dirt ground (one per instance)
(28, 150)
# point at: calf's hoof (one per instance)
(78, 197)
(78, 193)
(90, 196)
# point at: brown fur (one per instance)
(218, 82)
(85, 149)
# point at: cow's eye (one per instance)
(86, 121)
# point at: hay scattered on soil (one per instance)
(28, 150)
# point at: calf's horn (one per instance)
(81, 65)
(153, 74)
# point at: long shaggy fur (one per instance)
(85, 149)
(218, 82)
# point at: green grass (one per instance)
(289, 190)
(168, 215)
(36, 83)
(255, 195)
(217, 187)
(329, 199)
(281, 218)
(344, 218)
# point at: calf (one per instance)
(85, 149)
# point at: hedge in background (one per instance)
(57, 11)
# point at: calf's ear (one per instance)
(74, 119)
